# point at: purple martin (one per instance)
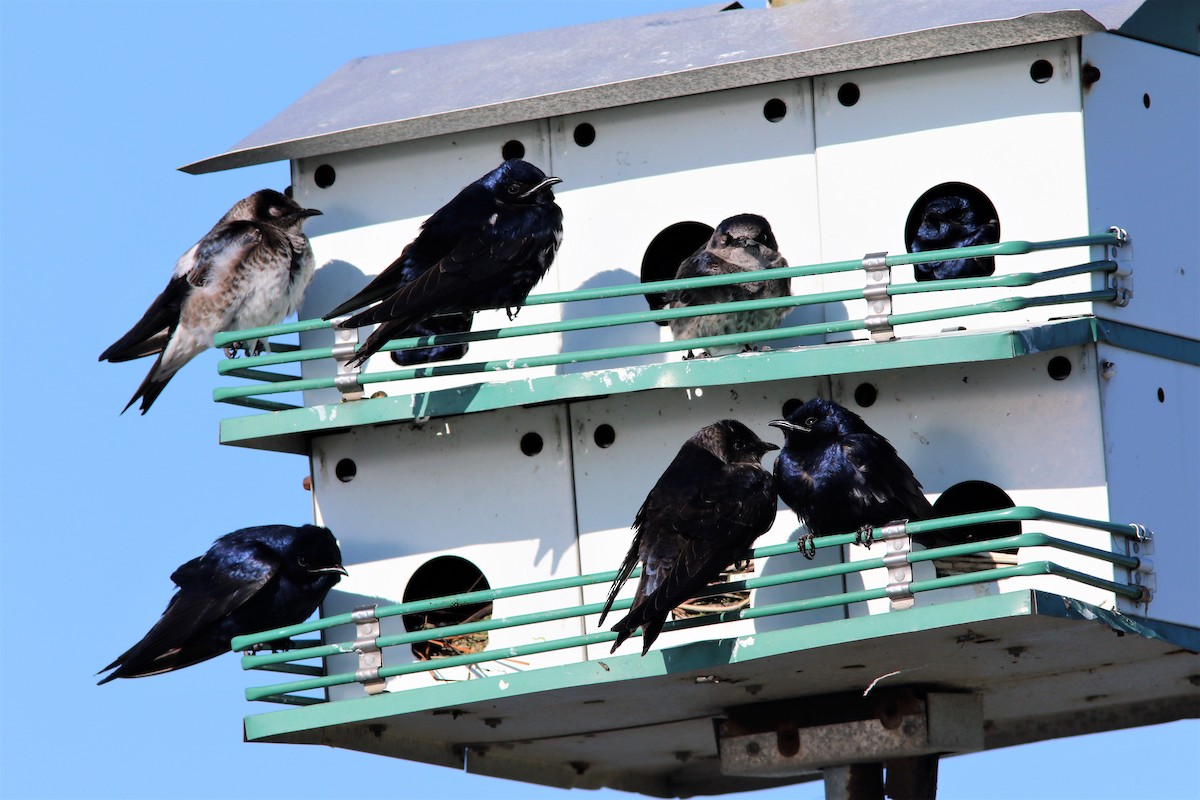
(250, 270)
(486, 248)
(742, 243)
(954, 220)
(704, 512)
(254, 579)
(839, 475)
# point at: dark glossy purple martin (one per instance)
(741, 243)
(839, 475)
(485, 249)
(954, 220)
(251, 580)
(251, 270)
(703, 514)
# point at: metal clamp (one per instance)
(370, 657)
(345, 343)
(1119, 279)
(1142, 576)
(879, 302)
(900, 574)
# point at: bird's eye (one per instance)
(513, 188)
(275, 211)
(808, 423)
(302, 561)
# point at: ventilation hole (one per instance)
(970, 497)
(671, 246)
(531, 444)
(865, 395)
(324, 176)
(1059, 368)
(952, 214)
(1146, 100)
(1041, 71)
(774, 110)
(447, 575)
(585, 134)
(512, 149)
(345, 470)
(604, 435)
(1162, 396)
(790, 406)
(848, 94)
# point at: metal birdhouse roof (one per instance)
(433, 91)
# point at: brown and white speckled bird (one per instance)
(741, 243)
(250, 270)
(705, 511)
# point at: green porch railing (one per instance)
(283, 661)
(275, 383)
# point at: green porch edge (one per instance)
(709, 655)
(289, 430)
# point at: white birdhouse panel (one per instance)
(1002, 128)
(404, 496)
(697, 160)
(1152, 453)
(374, 207)
(622, 445)
(1030, 428)
(1141, 122)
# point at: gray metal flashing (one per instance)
(434, 91)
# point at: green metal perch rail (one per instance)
(284, 692)
(275, 383)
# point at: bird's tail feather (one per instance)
(151, 387)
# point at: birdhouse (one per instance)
(1046, 402)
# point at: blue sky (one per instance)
(101, 102)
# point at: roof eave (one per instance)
(904, 47)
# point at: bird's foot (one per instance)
(808, 546)
(512, 313)
(753, 348)
(689, 356)
(231, 350)
(864, 536)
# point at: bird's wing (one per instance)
(480, 259)
(151, 333)
(884, 478)
(706, 535)
(222, 249)
(627, 567)
(697, 265)
(211, 588)
(436, 239)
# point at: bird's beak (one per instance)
(309, 212)
(768, 447)
(548, 182)
(336, 567)
(783, 424)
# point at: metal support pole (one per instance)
(912, 778)
(854, 782)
